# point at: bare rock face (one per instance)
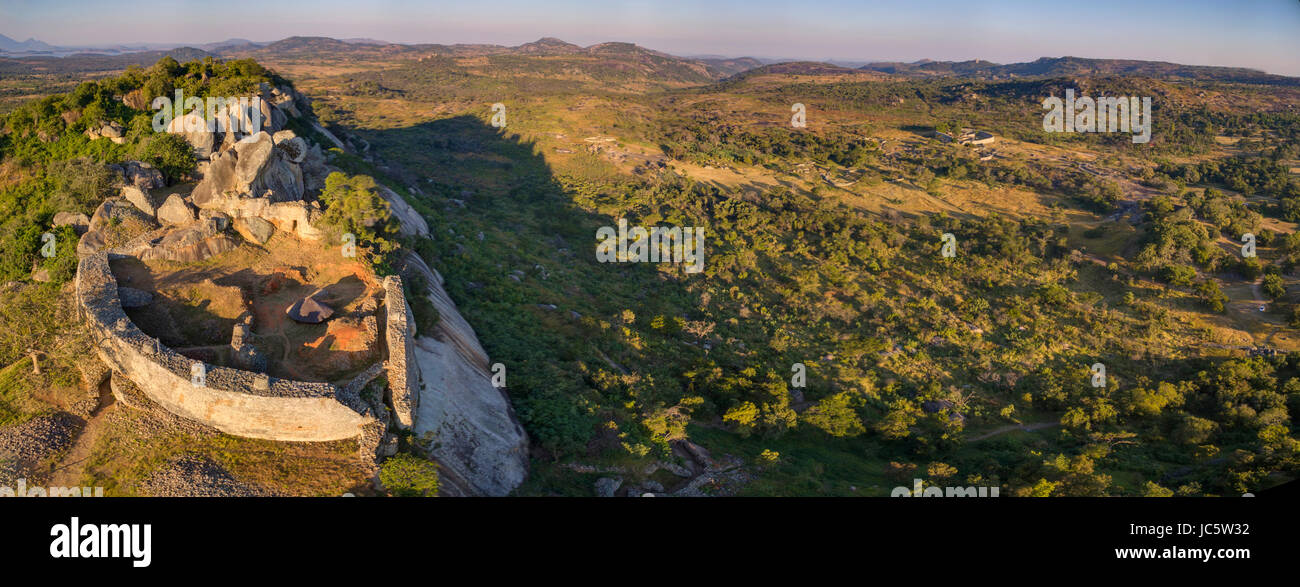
(119, 210)
(79, 222)
(412, 223)
(219, 178)
(140, 174)
(175, 211)
(196, 131)
(314, 169)
(213, 221)
(90, 243)
(293, 146)
(473, 433)
(252, 156)
(254, 229)
(452, 327)
(281, 180)
(141, 198)
(472, 429)
(188, 245)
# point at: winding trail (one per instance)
(72, 467)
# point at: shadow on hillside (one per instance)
(517, 251)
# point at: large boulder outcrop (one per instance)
(175, 210)
(140, 174)
(296, 218)
(218, 178)
(79, 222)
(115, 211)
(196, 131)
(254, 167)
(411, 222)
(471, 430)
(188, 245)
(141, 199)
(252, 155)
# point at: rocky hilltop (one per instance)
(262, 180)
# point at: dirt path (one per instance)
(1014, 427)
(70, 470)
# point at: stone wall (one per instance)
(403, 378)
(237, 402)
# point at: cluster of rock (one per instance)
(191, 476)
(255, 187)
(107, 130)
(261, 181)
(255, 176)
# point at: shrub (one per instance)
(170, 153)
(417, 298)
(1178, 274)
(405, 475)
(1273, 286)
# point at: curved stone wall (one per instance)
(234, 401)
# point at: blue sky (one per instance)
(1262, 34)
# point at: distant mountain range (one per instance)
(1075, 66)
(28, 46)
(713, 66)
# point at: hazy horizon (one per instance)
(1257, 34)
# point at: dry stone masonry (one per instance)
(234, 401)
(402, 375)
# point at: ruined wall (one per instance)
(403, 378)
(233, 401)
(297, 218)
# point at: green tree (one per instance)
(836, 416)
(1273, 286)
(353, 205)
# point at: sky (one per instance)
(1260, 34)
